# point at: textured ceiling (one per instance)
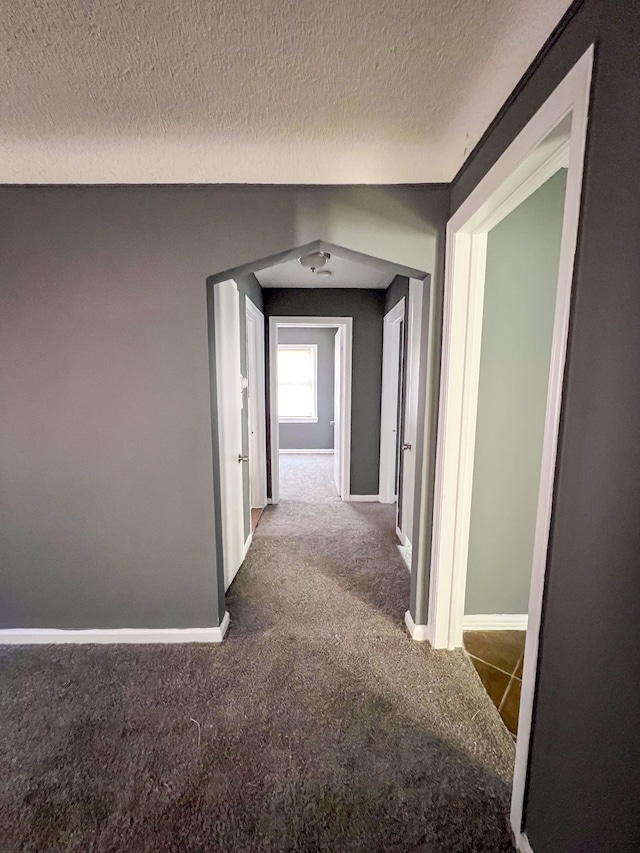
(344, 273)
(267, 91)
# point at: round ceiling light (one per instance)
(314, 261)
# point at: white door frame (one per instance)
(546, 143)
(229, 413)
(256, 397)
(345, 323)
(390, 402)
(413, 334)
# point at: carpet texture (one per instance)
(318, 725)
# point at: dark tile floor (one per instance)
(497, 657)
(256, 512)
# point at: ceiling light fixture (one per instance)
(314, 261)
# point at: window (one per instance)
(298, 383)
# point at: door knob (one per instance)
(406, 446)
(332, 423)
(242, 458)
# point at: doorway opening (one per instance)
(553, 140)
(310, 362)
(247, 438)
(308, 412)
(521, 278)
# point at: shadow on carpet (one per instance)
(155, 749)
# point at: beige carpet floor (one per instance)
(318, 725)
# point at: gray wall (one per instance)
(523, 253)
(397, 290)
(367, 309)
(317, 436)
(107, 508)
(585, 753)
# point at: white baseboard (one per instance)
(405, 554)
(495, 622)
(418, 632)
(247, 544)
(306, 451)
(522, 844)
(38, 636)
(365, 498)
(403, 539)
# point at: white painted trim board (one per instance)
(404, 540)
(364, 498)
(405, 510)
(229, 416)
(38, 636)
(257, 399)
(299, 451)
(495, 622)
(390, 400)
(248, 542)
(420, 633)
(522, 843)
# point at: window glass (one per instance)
(297, 382)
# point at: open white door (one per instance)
(256, 405)
(337, 413)
(410, 431)
(229, 406)
(390, 402)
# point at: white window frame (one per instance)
(299, 419)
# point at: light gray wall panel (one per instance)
(523, 253)
(317, 436)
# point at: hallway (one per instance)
(316, 726)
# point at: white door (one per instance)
(410, 433)
(390, 403)
(254, 471)
(229, 405)
(337, 414)
(256, 405)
